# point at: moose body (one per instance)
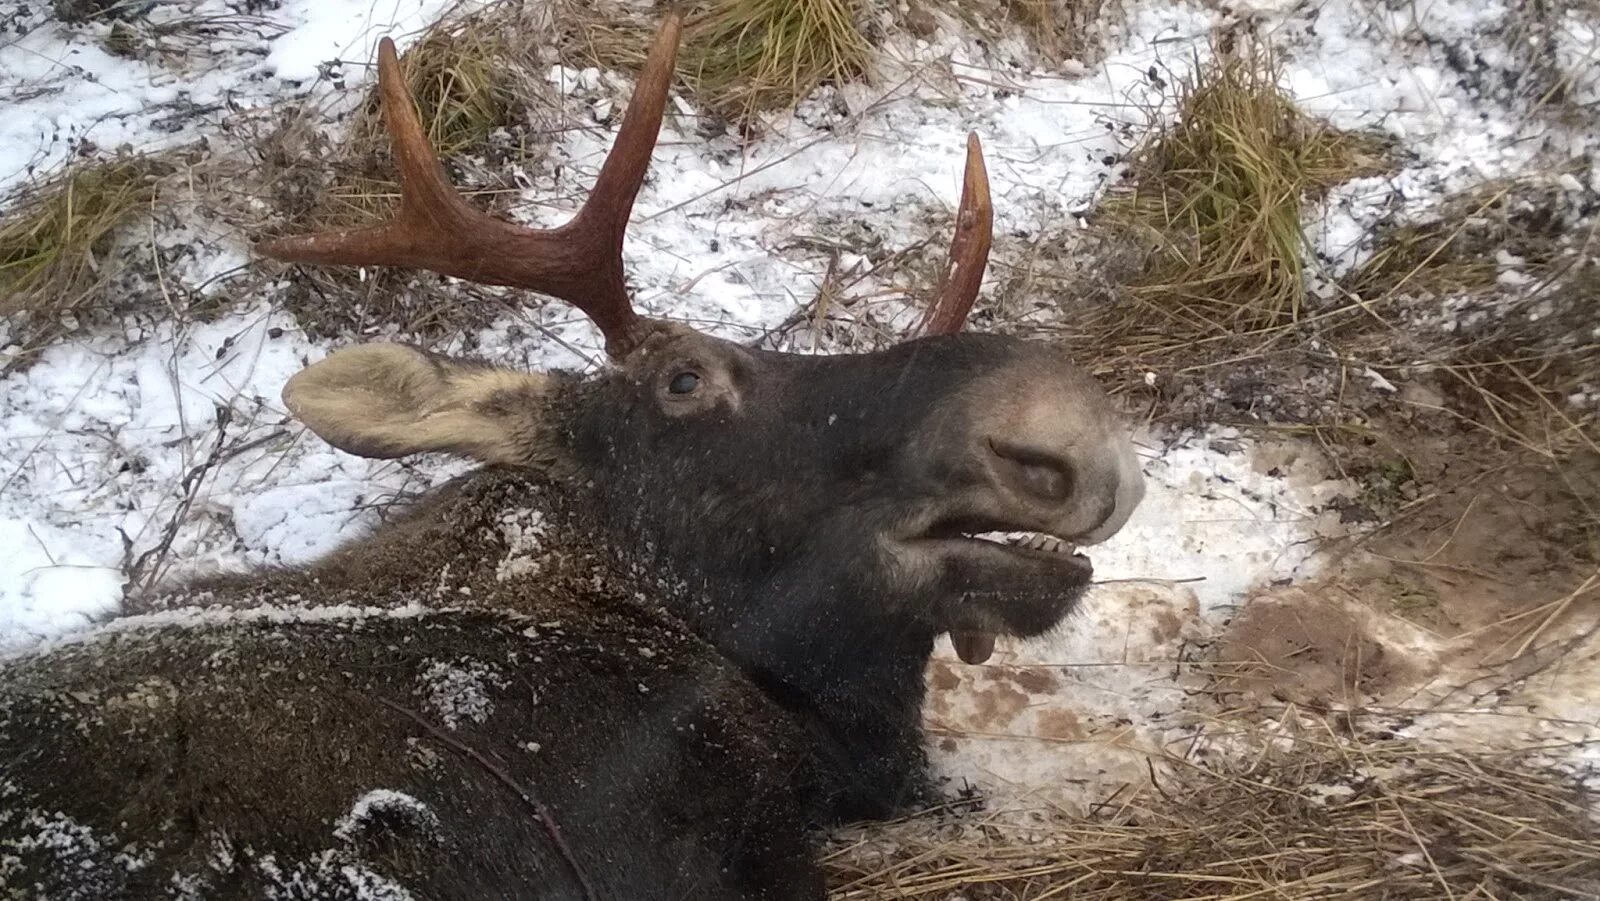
(267, 748)
(278, 754)
(680, 617)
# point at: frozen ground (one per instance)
(161, 449)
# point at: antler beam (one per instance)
(969, 249)
(579, 262)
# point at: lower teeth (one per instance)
(1032, 541)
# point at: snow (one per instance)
(98, 439)
(77, 92)
(1213, 519)
(1388, 69)
(459, 692)
(327, 873)
(38, 835)
(168, 443)
(383, 803)
(197, 617)
(523, 531)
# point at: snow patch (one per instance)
(80, 95)
(105, 442)
(1217, 519)
(459, 692)
(380, 804)
(523, 531)
(327, 873)
(284, 612)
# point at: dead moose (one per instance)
(679, 618)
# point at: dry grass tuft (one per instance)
(1319, 821)
(476, 80)
(469, 78)
(1218, 196)
(1463, 247)
(749, 56)
(1057, 29)
(56, 237)
(742, 58)
(739, 58)
(1518, 360)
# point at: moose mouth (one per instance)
(1023, 546)
(1038, 544)
(1006, 537)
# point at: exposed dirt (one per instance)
(1481, 548)
(1308, 647)
(1488, 532)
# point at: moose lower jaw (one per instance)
(1011, 582)
(975, 647)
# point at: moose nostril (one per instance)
(1044, 481)
(1031, 472)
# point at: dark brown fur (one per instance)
(227, 745)
(230, 749)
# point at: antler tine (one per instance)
(969, 249)
(579, 262)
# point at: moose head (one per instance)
(832, 515)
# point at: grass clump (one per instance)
(739, 58)
(475, 84)
(1218, 197)
(1469, 240)
(469, 79)
(1058, 28)
(742, 58)
(56, 238)
(1493, 292)
(1055, 31)
(1324, 819)
(747, 56)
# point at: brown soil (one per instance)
(1482, 546)
(1307, 646)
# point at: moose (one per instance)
(677, 620)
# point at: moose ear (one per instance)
(391, 400)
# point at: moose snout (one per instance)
(1125, 486)
(1074, 482)
(1069, 494)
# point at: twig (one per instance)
(191, 488)
(1556, 613)
(540, 811)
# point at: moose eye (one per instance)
(684, 383)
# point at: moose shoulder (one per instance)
(681, 615)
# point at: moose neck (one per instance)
(852, 677)
(772, 579)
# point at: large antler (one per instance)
(969, 250)
(579, 262)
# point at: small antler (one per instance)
(579, 262)
(969, 250)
